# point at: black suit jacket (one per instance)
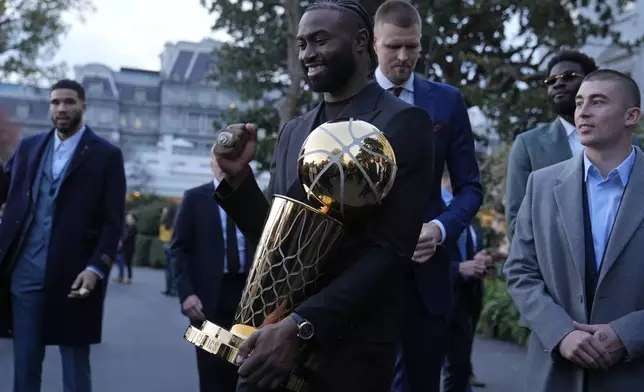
(197, 249)
(467, 293)
(357, 314)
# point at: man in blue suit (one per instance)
(65, 205)
(470, 263)
(428, 294)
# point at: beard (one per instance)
(563, 108)
(340, 68)
(70, 126)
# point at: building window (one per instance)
(140, 95)
(203, 98)
(95, 88)
(194, 122)
(105, 117)
(123, 121)
(22, 110)
(137, 123)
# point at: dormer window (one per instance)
(140, 95)
(95, 88)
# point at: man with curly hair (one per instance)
(551, 143)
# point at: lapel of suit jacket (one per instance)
(423, 96)
(568, 193)
(36, 154)
(555, 142)
(629, 216)
(362, 107)
(83, 150)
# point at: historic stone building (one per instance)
(163, 120)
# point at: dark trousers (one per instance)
(170, 286)
(423, 346)
(462, 329)
(124, 260)
(29, 350)
(215, 374)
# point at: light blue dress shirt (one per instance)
(61, 157)
(604, 199)
(462, 239)
(64, 150)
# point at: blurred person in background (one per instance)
(470, 265)
(127, 246)
(211, 260)
(165, 236)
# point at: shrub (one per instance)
(500, 318)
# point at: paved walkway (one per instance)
(499, 365)
(143, 349)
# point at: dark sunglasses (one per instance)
(566, 76)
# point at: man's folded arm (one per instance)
(391, 238)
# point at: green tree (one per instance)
(465, 44)
(30, 32)
(9, 135)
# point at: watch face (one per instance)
(306, 330)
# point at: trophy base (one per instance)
(218, 341)
(225, 345)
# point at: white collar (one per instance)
(70, 141)
(385, 83)
(570, 128)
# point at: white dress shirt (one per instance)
(407, 94)
(573, 137)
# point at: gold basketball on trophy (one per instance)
(346, 165)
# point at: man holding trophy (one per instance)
(321, 310)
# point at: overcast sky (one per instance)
(132, 32)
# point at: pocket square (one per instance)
(439, 126)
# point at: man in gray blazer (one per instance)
(575, 265)
(551, 143)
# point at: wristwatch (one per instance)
(305, 330)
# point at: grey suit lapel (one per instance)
(555, 142)
(568, 193)
(629, 216)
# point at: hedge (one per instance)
(500, 318)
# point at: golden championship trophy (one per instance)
(342, 166)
